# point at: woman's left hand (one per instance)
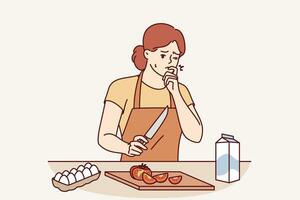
(170, 79)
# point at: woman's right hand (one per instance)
(135, 147)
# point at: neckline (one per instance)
(160, 89)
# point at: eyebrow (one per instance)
(176, 53)
(164, 51)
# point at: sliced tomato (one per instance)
(161, 177)
(175, 179)
(148, 178)
(136, 171)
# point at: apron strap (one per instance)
(172, 103)
(137, 94)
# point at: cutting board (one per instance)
(188, 182)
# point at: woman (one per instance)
(134, 103)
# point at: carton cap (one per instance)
(223, 135)
(225, 138)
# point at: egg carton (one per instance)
(65, 188)
(79, 177)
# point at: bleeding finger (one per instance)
(173, 70)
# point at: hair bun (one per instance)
(138, 57)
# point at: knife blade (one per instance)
(157, 123)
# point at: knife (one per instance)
(156, 125)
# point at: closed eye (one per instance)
(175, 58)
(162, 55)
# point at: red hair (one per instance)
(156, 36)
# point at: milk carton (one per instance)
(227, 167)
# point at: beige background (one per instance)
(57, 59)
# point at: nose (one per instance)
(170, 59)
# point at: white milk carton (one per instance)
(227, 167)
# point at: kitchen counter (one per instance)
(204, 170)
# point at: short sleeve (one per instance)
(117, 94)
(186, 94)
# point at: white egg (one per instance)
(57, 176)
(94, 169)
(86, 172)
(88, 165)
(71, 178)
(73, 171)
(80, 168)
(66, 173)
(64, 180)
(79, 176)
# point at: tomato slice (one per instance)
(139, 173)
(161, 177)
(175, 179)
(148, 178)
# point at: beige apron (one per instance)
(164, 145)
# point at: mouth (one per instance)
(168, 67)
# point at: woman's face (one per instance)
(164, 57)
